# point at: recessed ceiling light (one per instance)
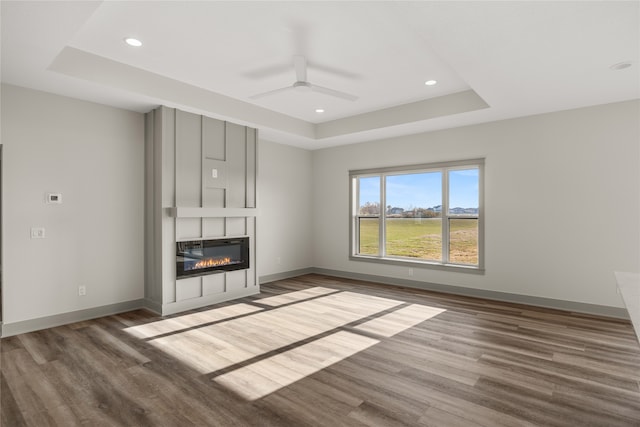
(319, 110)
(621, 65)
(133, 42)
(430, 82)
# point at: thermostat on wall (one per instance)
(54, 198)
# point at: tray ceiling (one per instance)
(491, 60)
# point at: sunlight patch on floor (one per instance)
(290, 297)
(191, 320)
(395, 322)
(213, 347)
(305, 323)
(266, 376)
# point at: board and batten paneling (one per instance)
(166, 140)
(213, 158)
(251, 168)
(195, 161)
(237, 175)
(188, 159)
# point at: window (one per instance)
(428, 214)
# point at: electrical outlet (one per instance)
(82, 291)
(278, 260)
(37, 232)
(410, 272)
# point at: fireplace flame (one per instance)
(212, 262)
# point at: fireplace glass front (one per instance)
(200, 257)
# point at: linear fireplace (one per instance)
(200, 257)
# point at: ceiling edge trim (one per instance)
(446, 105)
(97, 69)
(87, 66)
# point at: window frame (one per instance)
(381, 257)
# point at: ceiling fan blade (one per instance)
(300, 64)
(268, 71)
(334, 70)
(332, 92)
(271, 92)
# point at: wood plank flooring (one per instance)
(321, 351)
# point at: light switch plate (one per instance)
(214, 173)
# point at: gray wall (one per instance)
(582, 166)
(562, 200)
(285, 223)
(92, 154)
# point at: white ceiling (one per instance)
(492, 60)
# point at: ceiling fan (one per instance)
(301, 83)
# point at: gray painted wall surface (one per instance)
(181, 152)
(562, 201)
(582, 164)
(286, 218)
(92, 154)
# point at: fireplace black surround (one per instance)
(201, 257)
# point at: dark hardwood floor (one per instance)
(322, 351)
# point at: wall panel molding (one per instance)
(205, 170)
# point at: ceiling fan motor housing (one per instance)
(302, 85)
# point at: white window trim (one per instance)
(444, 167)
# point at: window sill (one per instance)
(457, 268)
